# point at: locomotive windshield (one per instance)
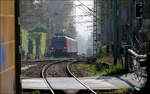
(58, 42)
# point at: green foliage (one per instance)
(24, 42)
(24, 36)
(32, 49)
(87, 68)
(92, 70)
(117, 69)
(103, 51)
(147, 9)
(43, 43)
(33, 43)
(120, 91)
(39, 28)
(116, 91)
(69, 28)
(36, 92)
(101, 60)
(37, 44)
(67, 24)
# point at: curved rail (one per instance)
(78, 79)
(44, 75)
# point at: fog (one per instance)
(83, 20)
(84, 25)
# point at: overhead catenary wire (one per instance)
(83, 11)
(87, 13)
(85, 6)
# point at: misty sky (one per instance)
(83, 25)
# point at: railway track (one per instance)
(67, 68)
(34, 68)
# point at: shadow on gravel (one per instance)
(83, 92)
(117, 77)
(126, 81)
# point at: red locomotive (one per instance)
(63, 46)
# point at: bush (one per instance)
(117, 69)
(39, 28)
(24, 43)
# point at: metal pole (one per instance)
(117, 21)
(129, 37)
(114, 16)
(17, 54)
(96, 27)
(131, 22)
(120, 28)
(95, 44)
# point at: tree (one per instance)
(40, 28)
(147, 9)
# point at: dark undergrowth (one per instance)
(95, 70)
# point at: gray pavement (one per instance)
(97, 83)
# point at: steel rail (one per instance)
(44, 75)
(68, 69)
(45, 79)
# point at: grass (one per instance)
(100, 60)
(117, 91)
(93, 71)
(35, 92)
(105, 57)
(117, 69)
(88, 69)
